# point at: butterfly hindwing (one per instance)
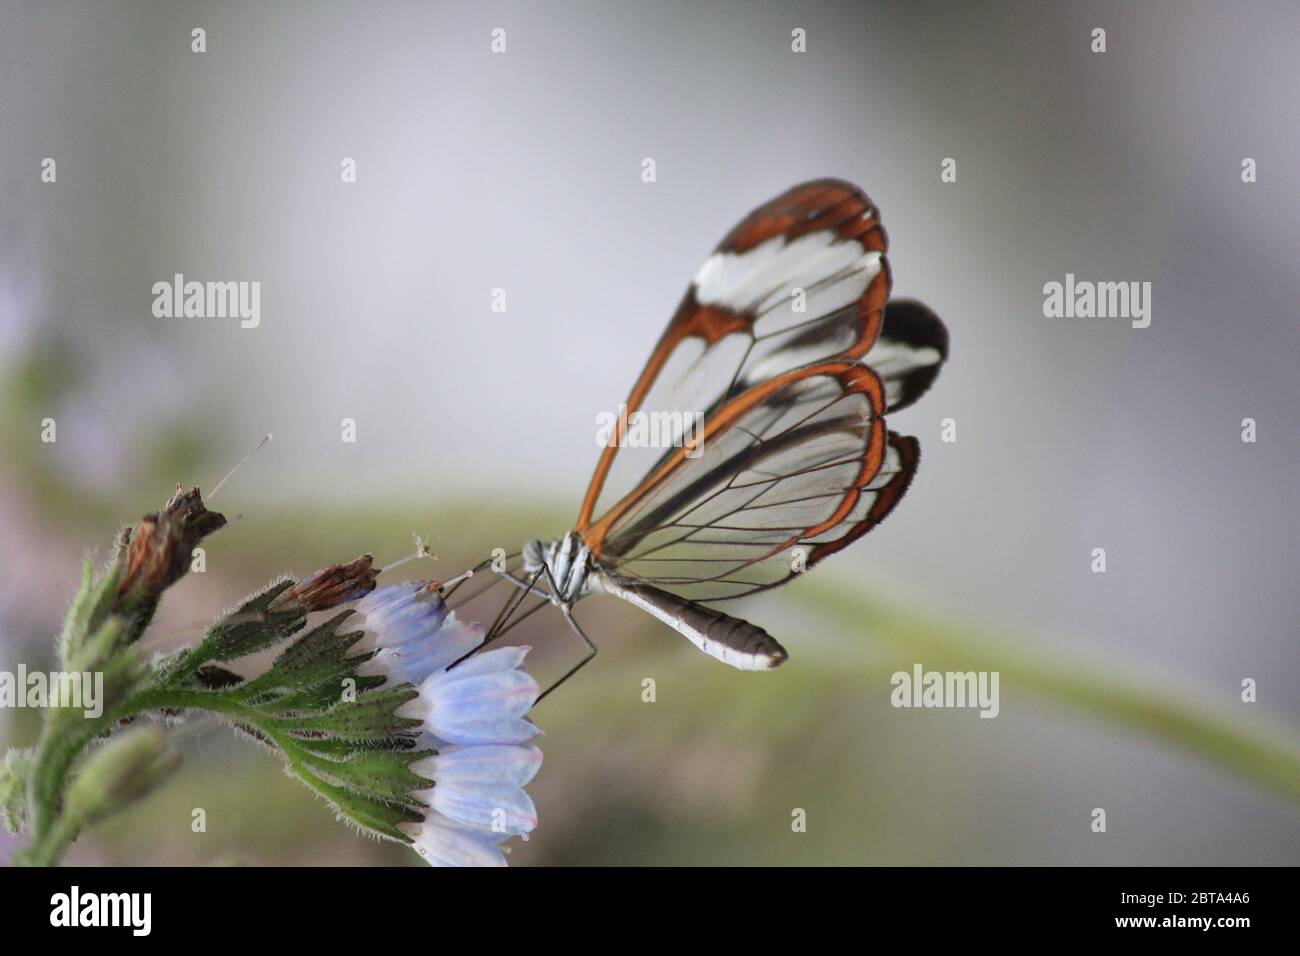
(802, 463)
(908, 353)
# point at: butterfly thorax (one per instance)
(569, 561)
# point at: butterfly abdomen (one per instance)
(729, 639)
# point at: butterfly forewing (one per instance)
(784, 344)
(801, 280)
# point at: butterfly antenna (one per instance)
(506, 619)
(422, 550)
(230, 474)
(499, 625)
(492, 582)
(452, 586)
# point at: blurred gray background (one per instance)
(522, 171)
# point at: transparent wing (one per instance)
(802, 279)
(791, 471)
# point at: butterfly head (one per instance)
(569, 563)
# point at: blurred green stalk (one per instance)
(1265, 755)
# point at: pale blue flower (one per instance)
(444, 843)
(471, 711)
(399, 614)
(482, 700)
(483, 786)
(419, 658)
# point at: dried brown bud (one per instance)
(331, 586)
(158, 549)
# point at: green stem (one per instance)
(49, 849)
(60, 745)
(229, 705)
(56, 751)
(1268, 756)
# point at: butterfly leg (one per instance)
(527, 585)
(592, 649)
(503, 621)
(567, 611)
(500, 624)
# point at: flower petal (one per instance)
(508, 764)
(485, 709)
(497, 808)
(442, 843)
(399, 613)
(486, 662)
(414, 661)
(504, 730)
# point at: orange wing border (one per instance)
(853, 378)
(824, 204)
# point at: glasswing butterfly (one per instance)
(786, 350)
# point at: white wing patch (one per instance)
(893, 361)
(832, 272)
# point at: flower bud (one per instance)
(126, 768)
(158, 548)
(331, 586)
